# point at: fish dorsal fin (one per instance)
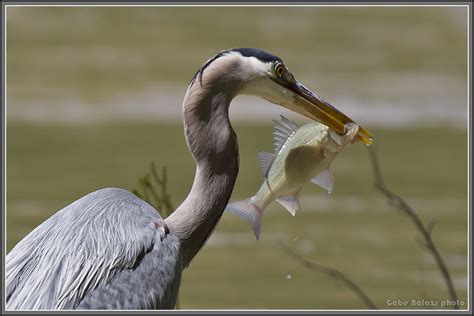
(325, 180)
(265, 161)
(281, 131)
(290, 202)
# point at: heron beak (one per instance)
(312, 106)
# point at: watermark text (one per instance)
(423, 303)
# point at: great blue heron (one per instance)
(110, 249)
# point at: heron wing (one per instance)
(152, 284)
(96, 242)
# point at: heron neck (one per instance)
(213, 144)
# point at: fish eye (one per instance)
(279, 69)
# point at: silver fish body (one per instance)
(302, 154)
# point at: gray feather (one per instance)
(114, 232)
(152, 284)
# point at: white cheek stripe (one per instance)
(253, 63)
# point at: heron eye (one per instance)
(279, 70)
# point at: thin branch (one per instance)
(162, 181)
(425, 231)
(159, 198)
(142, 182)
(153, 190)
(333, 273)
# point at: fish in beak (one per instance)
(301, 155)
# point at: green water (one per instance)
(94, 53)
(50, 165)
(95, 56)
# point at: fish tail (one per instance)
(250, 212)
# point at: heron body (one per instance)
(81, 258)
(110, 249)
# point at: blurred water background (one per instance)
(94, 94)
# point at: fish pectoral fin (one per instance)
(281, 131)
(325, 180)
(249, 212)
(265, 161)
(290, 202)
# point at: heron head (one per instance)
(265, 75)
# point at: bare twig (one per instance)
(425, 231)
(162, 181)
(143, 183)
(333, 273)
(159, 198)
